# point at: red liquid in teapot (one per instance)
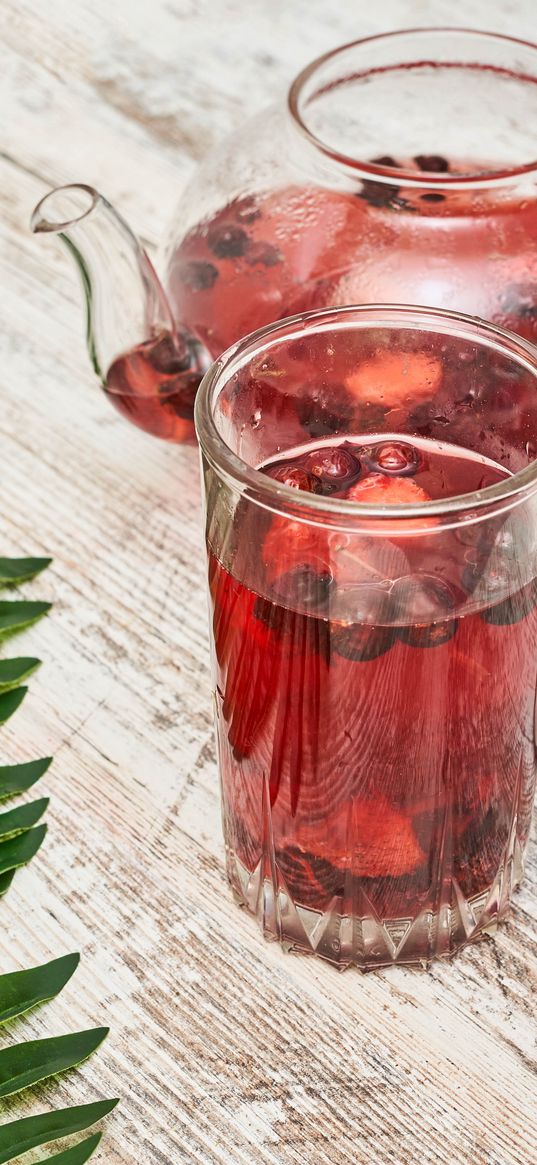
(154, 386)
(265, 257)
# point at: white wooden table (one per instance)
(224, 1050)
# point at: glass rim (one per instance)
(279, 498)
(387, 174)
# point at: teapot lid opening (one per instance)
(433, 107)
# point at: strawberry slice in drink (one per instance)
(368, 839)
(396, 379)
(302, 559)
(304, 564)
(289, 546)
(377, 489)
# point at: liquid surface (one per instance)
(349, 468)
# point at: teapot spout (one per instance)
(148, 366)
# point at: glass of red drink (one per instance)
(371, 501)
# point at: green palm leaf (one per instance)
(10, 701)
(30, 1132)
(16, 851)
(22, 1065)
(18, 778)
(22, 990)
(22, 818)
(5, 881)
(14, 671)
(18, 570)
(19, 614)
(75, 1156)
(14, 616)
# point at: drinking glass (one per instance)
(373, 625)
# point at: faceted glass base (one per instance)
(350, 933)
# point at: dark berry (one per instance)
(422, 419)
(432, 163)
(378, 193)
(198, 275)
(227, 241)
(369, 635)
(272, 615)
(294, 477)
(513, 609)
(361, 642)
(304, 588)
(169, 354)
(326, 410)
(383, 195)
(302, 628)
(426, 603)
(333, 465)
(183, 398)
(428, 635)
(472, 839)
(480, 851)
(394, 458)
(263, 253)
(432, 197)
(385, 160)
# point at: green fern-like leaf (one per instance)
(16, 779)
(22, 990)
(30, 1132)
(14, 671)
(23, 1065)
(17, 570)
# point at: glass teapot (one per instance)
(402, 170)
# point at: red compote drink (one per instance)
(374, 622)
(381, 735)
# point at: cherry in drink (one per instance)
(375, 631)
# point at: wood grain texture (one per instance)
(225, 1051)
